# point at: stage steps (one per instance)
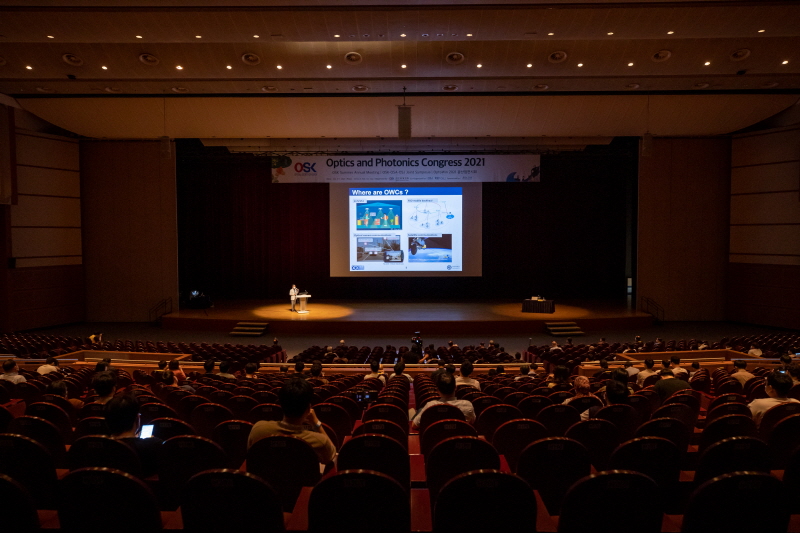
(563, 329)
(249, 329)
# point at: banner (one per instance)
(436, 168)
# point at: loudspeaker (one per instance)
(404, 121)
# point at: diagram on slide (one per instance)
(431, 215)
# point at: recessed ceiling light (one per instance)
(469, 35)
(138, 36)
(670, 32)
(29, 67)
(425, 35)
(611, 33)
(402, 66)
(707, 63)
(280, 67)
(529, 65)
(198, 36)
(630, 64)
(255, 36)
(228, 67)
(479, 65)
(580, 64)
(402, 35)
(50, 37)
(761, 31)
(104, 67)
(328, 66)
(785, 62)
(551, 34)
(179, 67)
(337, 35)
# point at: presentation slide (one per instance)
(410, 229)
(413, 230)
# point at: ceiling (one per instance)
(557, 68)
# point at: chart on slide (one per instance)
(410, 229)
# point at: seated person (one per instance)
(298, 370)
(316, 372)
(777, 387)
(175, 367)
(162, 365)
(224, 370)
(524, 372)
(560, 380)
(620, 375)
(794, 372)
(375, 373)
(669, 385)
(251, 370)
(582, 389)
(105, 385)
(695, 368)
(11, 372)
(399, 369)
(604, 372)
(122, 417)
(295, 398)
(786, 361)
(169, 379)
(59, 388)
(501, 370)
(446, 385)
(740, 372)
(208, 366)
(464, 379)
(646, 373)
(439, 370)
(51, 365)
(616, 393)
(755, 350)
(630, 369)
(677, 370)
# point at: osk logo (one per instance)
(305, 168)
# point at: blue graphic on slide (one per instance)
(430, 249)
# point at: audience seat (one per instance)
(359, 501)
(444, 429)
(624, 417)
(104, 452)
(558, 418)
(151, 411)
(586, 402)
(764, 502)
(600, 437)
(655, 457)
(336, 416)
(206, 416)
(384, 427)
(98, 500)
(22, 517)
(229, 501)
(91, 425)
(32, 466)
(5, 418)
(513, 436)
(43, 432)
(775, 415)
(265, 411)
(725, 427)
(241, 405)
(679, 411)
(622, 500)
(531, 405)
(232, 437)
(483, 402)
(457, 455)
(288, 464)
(187, 403)
(388, 412)
(483, 501)
(730, 408)
(438, 412)
(783, 440)
(182, 457)
(166, 428)
(672, 429)
(92, 409)
(493, 416)
(731, 455)
(376, 452)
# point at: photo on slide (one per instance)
(386, 214)
(379, 249)
(431, 249)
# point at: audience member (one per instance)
(677, 370)
(794, 372)
(777, 387)
(225, 370)
(755, 350)
(740, 372)
(524, 372)
(630, 369)
(101, 366)
(646, 373)
(582, 389)
(59, 388)
(284, 369)
(398, 372)
(440, 370)
(208, 366)
(786, 361)
(554, 347)
(122, 417)
(501, 370)
(375, 368)
(464, 379)
(446, 385)
(251, 370)
(295, 398)
(175, 367)
(695, 368)
(668, 384)
(560, 379)
(316, 372)
(104, 384)
(51, 365)
(162, 365)
(169, 379)
(603, 372)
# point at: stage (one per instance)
(403, 318)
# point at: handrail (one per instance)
(648, 305)
(155, 312)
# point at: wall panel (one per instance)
(761, 178)
(46, 211)
(48, 182)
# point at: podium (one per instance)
(303, 298)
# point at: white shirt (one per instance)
(464, 405)
(632, 370)
(755, 351)
(409, 378)
(762, 405)
(376, 375)
(46, 369)
(461, 380)
(293, 292)
(644, 374)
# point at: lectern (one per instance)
(303, 298)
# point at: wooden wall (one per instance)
(42, 253)
(683, 226)
(764, 261)
(130, 236)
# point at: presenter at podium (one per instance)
(293, 292)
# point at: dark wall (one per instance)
(240, 236)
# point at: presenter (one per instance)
(293, 292)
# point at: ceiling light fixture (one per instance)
(198, 36)
(50, 37)
(402, 35)
(479, 65)
(580, 64)
(707, 63)
(670, 32)
(529, 65)
(469, 35)
(761, 31)
(29, 67)
(229, 67)
(630, 64)
(328, 66)
(402, 66)
(280, 67)
(138, 36)
(337, 35)
(551, 34)
(785, 62)
(611, 33)
(104, 67)
(255, 36)
(179, 67)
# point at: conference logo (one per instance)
(357, 267)
(449, 267)
(305, 168)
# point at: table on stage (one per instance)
(538, 306)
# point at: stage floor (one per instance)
(405, 317)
